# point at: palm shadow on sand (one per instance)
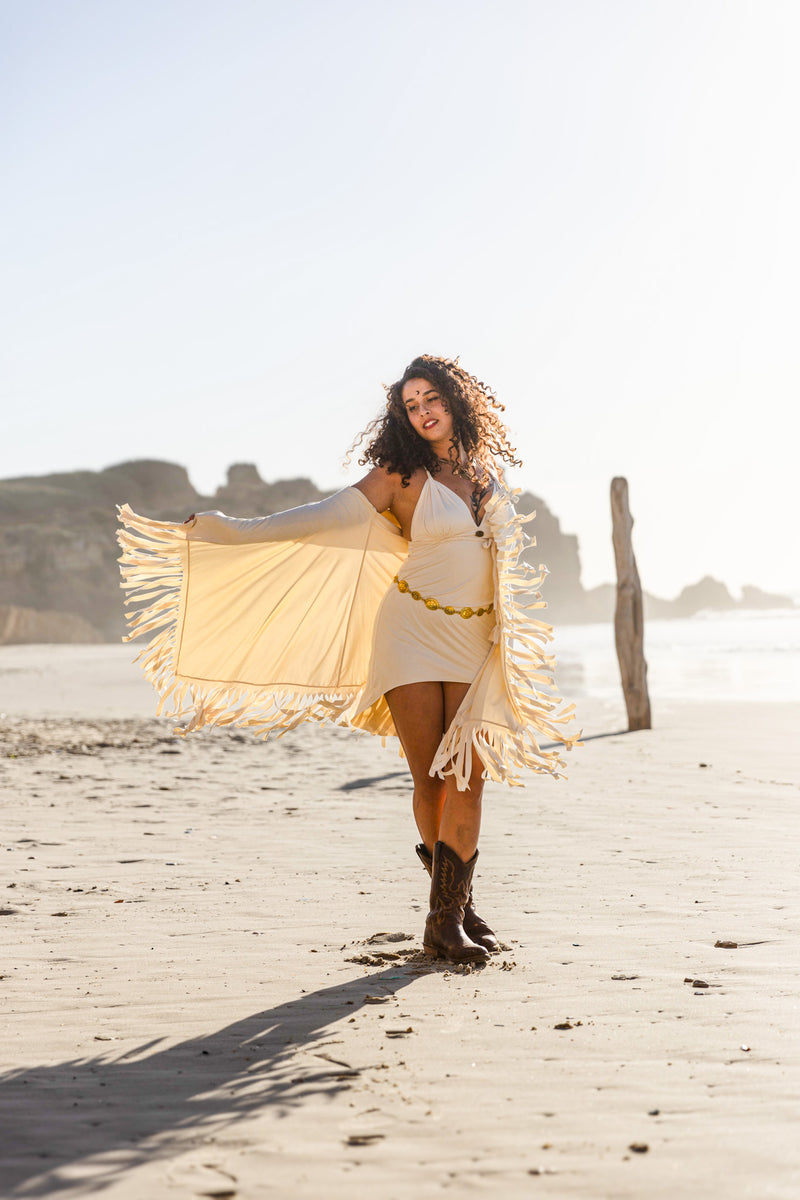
(149, 1104)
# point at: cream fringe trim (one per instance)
(529, 674)
(152, 568)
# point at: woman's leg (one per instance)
(460, 825)
(448, 820)
(421, 713)
(418, 712)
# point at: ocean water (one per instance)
(747, 655)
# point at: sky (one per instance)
(226, 224)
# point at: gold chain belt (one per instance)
(432, 604)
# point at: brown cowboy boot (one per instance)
(444, 928)
(475, 927)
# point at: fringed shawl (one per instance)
(512, 703)
(269, 622)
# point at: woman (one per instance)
(328, 612)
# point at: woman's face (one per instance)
(427, 411)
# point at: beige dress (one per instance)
(266, 622)
(449, 560)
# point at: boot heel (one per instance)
(475, 927)
(451, 881)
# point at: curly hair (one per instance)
(395, 445)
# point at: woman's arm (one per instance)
(343, 509)
(379, 488)
(384, 490)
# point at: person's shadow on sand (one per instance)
(126, 1108)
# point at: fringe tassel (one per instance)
(152, 566)
(528, 673)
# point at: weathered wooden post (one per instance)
(629, 615)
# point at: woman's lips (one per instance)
(429, 424)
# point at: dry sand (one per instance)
(212, 982)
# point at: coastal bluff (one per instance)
(59, 580)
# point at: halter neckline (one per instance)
(459, 499)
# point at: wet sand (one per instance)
(213, 986)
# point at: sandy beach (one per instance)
(213, 982)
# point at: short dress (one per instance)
(317, 612)
(449, 561)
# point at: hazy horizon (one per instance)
(210, 493)
(225, 227)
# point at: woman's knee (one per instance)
(476, 783)
(472, 794)
(429, 792)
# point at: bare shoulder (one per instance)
(406, 498)
(385, 491)
(416, 482)
(379, 487)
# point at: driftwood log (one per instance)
(629, 615)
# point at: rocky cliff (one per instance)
(559, 551)
(57, 540)
(58, 572)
